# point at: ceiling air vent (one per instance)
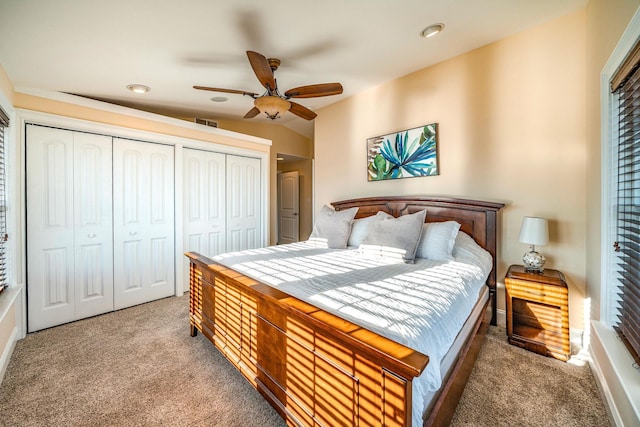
(206, 122)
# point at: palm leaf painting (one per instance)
(405, 154)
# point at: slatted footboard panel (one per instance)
(314, 368)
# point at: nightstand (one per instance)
(538, 311)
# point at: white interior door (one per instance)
(288, 207)
(143, 206)
(69, 235)
(50, 288)
(93, 224)
(204, 204)
(243, 203)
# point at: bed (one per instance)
(318, 367)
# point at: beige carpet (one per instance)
(140, 367)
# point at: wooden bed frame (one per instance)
(317, 369)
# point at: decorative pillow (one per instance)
(359, 231)
(394, 237)
(437, 240)
(332, 228)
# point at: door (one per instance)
(143, 206)
(288, 207)
(93, 224)
(69, 231)
(243, 203)
(204, 204)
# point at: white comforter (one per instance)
(421, 305)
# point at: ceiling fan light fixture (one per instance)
(272, 106)
(432, 30)
(136, 88)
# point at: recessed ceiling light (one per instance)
(432, 30)
(219, 99)
(138, 88)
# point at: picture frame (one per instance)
(409, 153)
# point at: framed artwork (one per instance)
(406, 154)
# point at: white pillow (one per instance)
(394, 237)
(468, 251)
(437, 240)
(332, 228)
(359, 231)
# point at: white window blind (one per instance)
(4, 123)
(626, 86)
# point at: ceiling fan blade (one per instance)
(262, 69)
(217, 89)
(252, 113)
(311, 91)
(301, 111)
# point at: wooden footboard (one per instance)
(313, 367)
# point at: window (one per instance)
(625, 85)
(4, 122)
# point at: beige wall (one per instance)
(512, 128)
(6, 88)
(284, 141)
(606, 21)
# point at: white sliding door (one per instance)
(204, 204)
(243, 203)
(93, 224)
(143, 180)
(69, 239)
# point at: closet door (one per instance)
(204, 203)
(243, 203)
(69, 234)
(143, 206)
(93, 224)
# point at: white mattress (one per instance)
(422, 305)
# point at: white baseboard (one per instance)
(501, 317)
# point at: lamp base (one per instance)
(533, 262)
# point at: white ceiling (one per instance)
(96, 48)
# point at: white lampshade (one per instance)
(534, 231)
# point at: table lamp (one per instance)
(534, 231)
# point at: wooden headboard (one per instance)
(477, 218)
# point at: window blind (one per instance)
(627, 245)
(4, 123)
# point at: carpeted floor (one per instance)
(140, 367)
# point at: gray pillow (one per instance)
(437, 240)
(359, 231)
(394, 237)
(332, 228)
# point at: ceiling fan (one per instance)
(271, 102)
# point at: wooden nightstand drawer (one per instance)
(546, 294)
(537, 311)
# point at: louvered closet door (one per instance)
(243, 203)
(204, 204)
(143, 187)
(69, 232)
